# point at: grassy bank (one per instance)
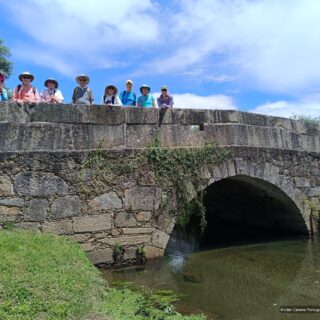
(49, 277)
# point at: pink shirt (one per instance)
(26, 94)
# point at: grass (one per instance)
(49, 277)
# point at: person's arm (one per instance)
(170, 102)
(58, 97)
(15, 96)
(117, 101)
(139, 103)
(4, 94)
(154, 102)
(36, 97)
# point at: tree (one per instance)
(5, 63)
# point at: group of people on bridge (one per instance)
(82, 94)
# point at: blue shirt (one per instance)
(4, 95)
(146, 101)
(128, 98)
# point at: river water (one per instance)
(248, 281)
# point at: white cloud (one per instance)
(193, 101)
(91, 33)
(309, 107)
(270, 44)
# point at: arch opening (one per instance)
(239, 210)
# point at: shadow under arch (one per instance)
(243, 208)
(240, 209)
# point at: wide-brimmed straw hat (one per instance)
(111, 86)
(82, 76)
(26, 73)
(129, 81)
(145, 86)
(51, 80)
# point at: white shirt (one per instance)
(108, 101)
(47, 94)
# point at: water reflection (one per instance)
(240, 282)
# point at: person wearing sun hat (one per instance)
(128, 98)
(25, 92)
(3, 90)
(110, 97)
(82, 94)
(51, 94)
(146, 100)
(165, 101)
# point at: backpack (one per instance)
(112, 99)
(134, 95)
(75, 93)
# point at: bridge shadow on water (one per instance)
(240, 210)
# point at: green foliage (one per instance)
(309, 120)
(141, 252)
(177, 171)
(46, 277)
(8, 225)
(49, 277)
(128, 302)
(5, 64)
(117, 249)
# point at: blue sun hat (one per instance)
(145, 86)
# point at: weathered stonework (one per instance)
(41, 164)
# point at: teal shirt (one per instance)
(128, 98)
(146, 101)
(4, 95)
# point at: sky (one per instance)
(259, 56)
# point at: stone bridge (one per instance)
(270, 180)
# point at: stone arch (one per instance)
(262, 173)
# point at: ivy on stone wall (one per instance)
(177, 171)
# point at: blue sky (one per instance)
(251, 55)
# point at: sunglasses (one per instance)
(27, 77)
(82, 79)
(164, 90)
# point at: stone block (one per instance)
(12, 202)
(140, 136)
(139, 198)
(80, 237)
(87, 246)
(125, 219)
(9, 211)
(160, 239)
(143, 216)
(137, 230)
(128, 240)
(66, 207)
(34, 226)
(6, 187)
(36, 210)
(139, 116)
(100, 255)
(302, 182)
(314, 192)
(106, 201)
(130, 253)
(153, 252)
(58, 227)
(39, 184)
(92, 223)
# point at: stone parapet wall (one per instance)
(69, 127)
